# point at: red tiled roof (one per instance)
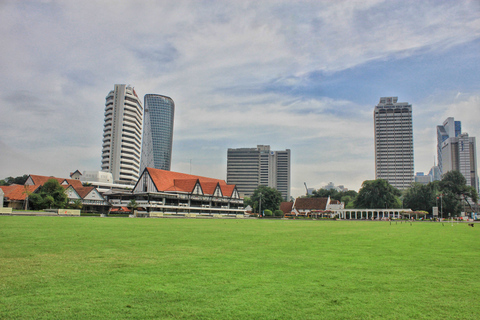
(209, 187)
(227, 190)
(165, 180)
(40, 180)
(185, 185)
(83, 191)
(17, 192)
(286, 207)
(311, 203)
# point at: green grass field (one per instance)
(86, 267)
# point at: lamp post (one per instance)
(260, 204)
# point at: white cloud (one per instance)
(215, 59)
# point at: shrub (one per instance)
(278, 213)
(268, 213)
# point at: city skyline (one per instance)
(293, 75)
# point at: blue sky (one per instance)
(299, 75)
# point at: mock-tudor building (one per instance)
(173, 193)
(91, 199)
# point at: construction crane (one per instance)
(306, 189)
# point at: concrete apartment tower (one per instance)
(122, 134)
(394, 142)
(157, 132)
(457, 151)
(248, 168)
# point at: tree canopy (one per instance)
(270, 199)
(421, 197)
(377, 194)
(11, 180)
(50, 195)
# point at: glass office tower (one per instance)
(157, 132)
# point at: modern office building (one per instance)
(122, 134)
(394, 142)
(248, 168)
(435, 173)
(457, 151)
(421, 178)
(157, 132)
(449, 129)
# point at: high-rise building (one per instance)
(157, 132)
(394, 142)
(457, 151)
(248, 168)
(122, 134)
(449, 129)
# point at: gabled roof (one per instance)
(185, 185)
(286, 207)
(209, 187)
(165, 180)
(83, 191)
(311, 203)
(227, 190)
(40, 180)
(72, 173)
(17, 192)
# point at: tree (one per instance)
(454, 190)
(50, 195)
(420, 197)
(270, 199)
(324, 193)
(77, 204)
(11, 180)
(377, 194)
(455, 182)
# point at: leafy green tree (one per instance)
(377, 194)
(11, 180)
(324, 193)
(454, 189)
(270, 198)
(420, 197)
(455, 182)
(77, 204)
(50, 195)
(278, 213)
(132, 204)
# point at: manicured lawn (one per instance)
(100, 268)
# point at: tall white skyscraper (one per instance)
(157, 132)
(248, 168)
(457, 151)
(394, 142)
(122, 134)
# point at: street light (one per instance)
(260, 204)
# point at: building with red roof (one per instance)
(16, 195)
(175, 192)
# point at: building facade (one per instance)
(457, 151)
(157, 132)
(248, 168)
(394, 142)
(161, 192)
(122, 134)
